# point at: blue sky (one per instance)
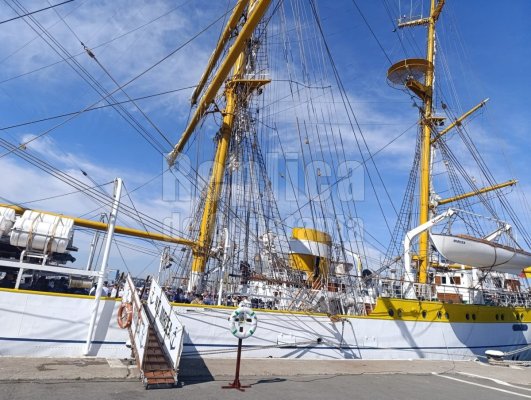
(484, 45)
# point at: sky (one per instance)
(482, 51)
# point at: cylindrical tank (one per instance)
(80, 283)
(310, 252)
(42, 232)
(7, 219)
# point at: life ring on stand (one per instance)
(243, 322)
(125, 315)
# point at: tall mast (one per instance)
(237, 90)
(409, 72)
(425, 157)
(208, 220)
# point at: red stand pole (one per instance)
(236, 384)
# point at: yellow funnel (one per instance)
(310, 252)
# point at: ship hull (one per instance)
(54, 325)
(300, 336)
(39, 325)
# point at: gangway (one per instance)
(155, 332)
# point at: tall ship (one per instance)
(279, 167)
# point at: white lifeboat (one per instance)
(480, 253)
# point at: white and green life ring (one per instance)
(243, 322)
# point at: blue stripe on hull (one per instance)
(11, 339)
(360, 347)
(226, 345)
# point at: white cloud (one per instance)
(97, 22)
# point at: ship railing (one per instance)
(305, 298)
(451, 294)
(400, 289)
(258, 301)
(425, 291)
(506, 298)
(19, 268)
(258, 75)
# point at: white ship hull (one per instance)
(481, 254)
(54, 325)
(38, 325)
(317, 337)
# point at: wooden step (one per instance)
(154, 351)
(155, 367)
(154, 354)
(155, 358)
(159, 379)
(160, 373)
(157, 371)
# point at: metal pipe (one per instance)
(223, 263)
(479, 191)
(164, 260)
(458, 121)
(93, 245)
(412, 234)
(104, 263)
(101, 226)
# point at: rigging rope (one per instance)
(351, 116)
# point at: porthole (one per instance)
(446, 315)
(424, 314)
(399, 313)
(467, 316)
(497, 317)
(517, 316)
(473, 317)
(502, 317)
(439, 314)
(521, 316)
(391, 312)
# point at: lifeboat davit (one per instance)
(480, 253)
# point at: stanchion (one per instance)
(242, 324)
(237, 384)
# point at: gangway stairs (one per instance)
(156, 335)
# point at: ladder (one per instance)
(156, 335)
(156, 370)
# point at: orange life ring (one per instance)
(125, 315)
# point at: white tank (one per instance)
(7, 219)
(42, 232)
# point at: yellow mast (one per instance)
(409, 72)
(237, 88)
(255, 12)
(425, 157)
(232, 24)
(200, 256)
